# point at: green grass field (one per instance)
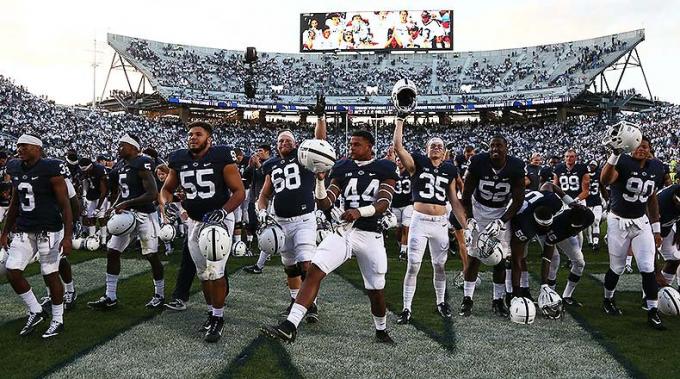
(626, 341)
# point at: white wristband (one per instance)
(366, 211)
(566, 199)
(613, 159)
(656, 227)
(320, 190)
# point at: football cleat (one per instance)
(403, 256)
(55, 328)
(499, 309)
(381, 336)
(404, 317)
(654, 320)
(444, 310)
(176, 305)
(70, 300)
(466, 307)
(570, 301)
(206, 324)
(104, 302)
(155, 302)
(284, 331)
(596, 248)
(286, 312)
(46, 303)
(312, 316)
(215, 328)
(644, 305)
(254, 269)
(32, 321)
(610, 307)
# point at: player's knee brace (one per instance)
(577, 267)
(292, 271)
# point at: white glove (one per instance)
(471, 228)
(495, 227)
(262, 216)
(100, 213)
(625, 223)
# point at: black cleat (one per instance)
(404, 317)
(466, 307)
(206, 324)
(403, 256)
(570, 301)
(653, 319)
(312, 316)
(444, 310)
(381, 336)
(156, 302)
(70, 300)
(287, 311)
(610, 307)
(215, 328)
(254, 269)
(596, 248)
(499, 309)
(644, 305)
(176, 305)
(32, 321)
(284, 331)
(55, 328)
(46, 303)
(104, 302)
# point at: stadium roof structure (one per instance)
(546, 78)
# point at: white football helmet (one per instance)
(3, 261)
(214, 242)
(271, 238)
(522, 311)
(92, 243)
(550, 303)
(623, 135)
(316, 155)
(488, 249)
(121, 223)
(321, 235)
(669, 301)
(388, 220)
(167, 233)
(77, 243)
(239, 249)
(404, 95)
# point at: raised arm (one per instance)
(325, 198)
(320, 112)
(404, 156)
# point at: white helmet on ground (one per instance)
(214, 242)
(669, 301)
(3, 261)
(167, 233)
(239, 249)
(522, 311)
(550, 303)
(623, 135)
(488, 250)
(316, 155)
(271, 239)
(92, 243)
(404, 95)
(121, 223)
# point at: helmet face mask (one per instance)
(624, 136)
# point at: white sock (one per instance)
(92, 230)
(569, 289)
(297, 313)
(159, 287)
(652, 304)
(629, 260)
(58, 313)
(380, 322)
(508, 280)
(524, 279)
(439, 290)
(294, 292)
(261, 260)
(409, 292)
(469, 289)
(31, 302)
(111, 286)
(498, 291)
(69, 287)
(218, 312)
(608, 294)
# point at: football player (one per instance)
(241, 213)
(633, 179)
(97, 186)
(669, 207)
(213, 189)
(366, 185)
(402, 208)
(292, 187)
(135, 187)
(594, 203)
(493, 179)
(40, 217)
(573, 179)
(434, 182)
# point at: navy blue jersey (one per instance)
(495, 186)
(462, 164)
(93, 177)
(546, 174)
(534, 175)
(523, 223)
(202, 179)
(594, 198)
(130, 183)
(561, 228)
(359, 186)
(293, 185)
(430, 183)
(634, 185)
(73, 170)
(670, 213)
(38, 207)
(402, 191)
(570, 179)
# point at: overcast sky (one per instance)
(48, 45)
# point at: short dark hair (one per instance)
(364, 134)
(201, 124)
(266, 148)
(84, 162)
(500, 137)
(150, 151)
(542, 212)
